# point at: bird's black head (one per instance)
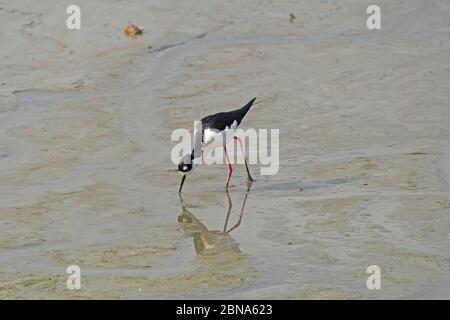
(184, 167)
(185, 164)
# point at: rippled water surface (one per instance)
(86, 178)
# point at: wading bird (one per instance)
(215, 131)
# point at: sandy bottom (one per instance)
(86, 177)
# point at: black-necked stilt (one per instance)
(212, 132)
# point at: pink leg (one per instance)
(230, 168)
(245, 159)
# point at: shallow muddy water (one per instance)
(86, 178)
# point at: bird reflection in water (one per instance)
(212, 242)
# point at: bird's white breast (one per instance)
(213, 138)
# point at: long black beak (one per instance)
(182, 182)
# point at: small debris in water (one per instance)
(133, 30)
(291, 17)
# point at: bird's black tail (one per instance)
(245, 108)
